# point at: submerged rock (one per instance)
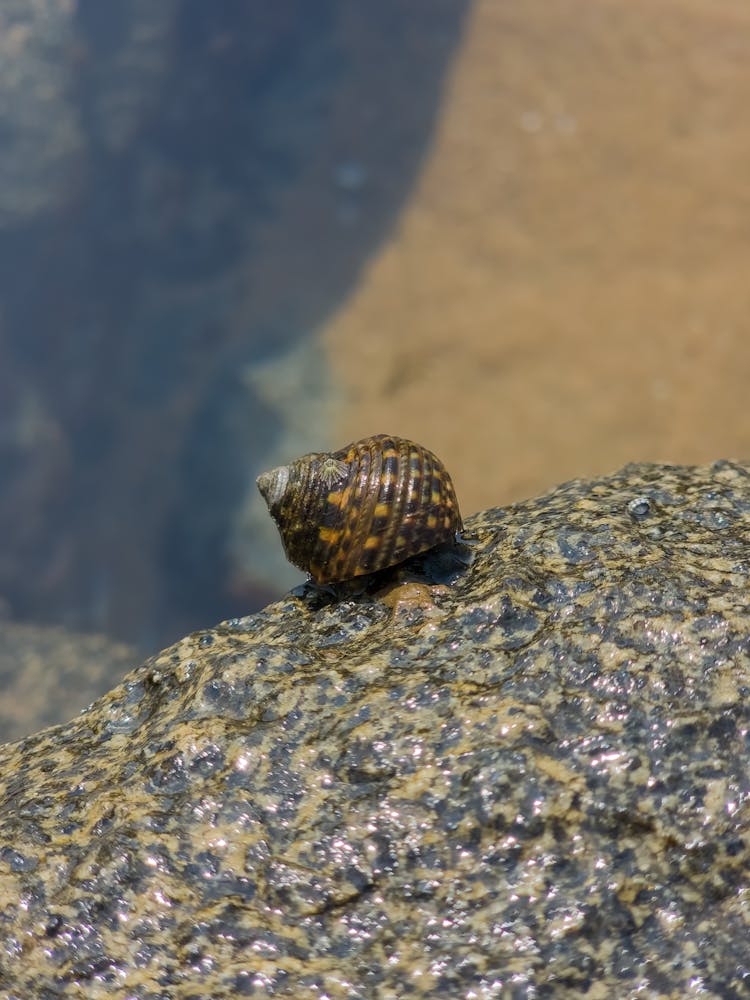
(528, 779)
(48, 673)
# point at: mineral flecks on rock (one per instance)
(529, 780)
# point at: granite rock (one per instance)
(523, 777)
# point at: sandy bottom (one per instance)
(568, 288)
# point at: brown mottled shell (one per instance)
(368, 506)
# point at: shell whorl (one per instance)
(363, 508)
(273, 484)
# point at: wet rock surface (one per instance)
(527, 779)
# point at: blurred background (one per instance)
(232, 233)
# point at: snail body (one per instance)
(361, 509)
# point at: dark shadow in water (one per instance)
(219, 211)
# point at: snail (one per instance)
(361, 509)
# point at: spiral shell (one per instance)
(368, 506)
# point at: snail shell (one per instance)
(368, 506)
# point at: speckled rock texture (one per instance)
(528, 778)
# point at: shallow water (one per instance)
(516, 233)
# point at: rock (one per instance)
(527, 779)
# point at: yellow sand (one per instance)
(568, 288)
